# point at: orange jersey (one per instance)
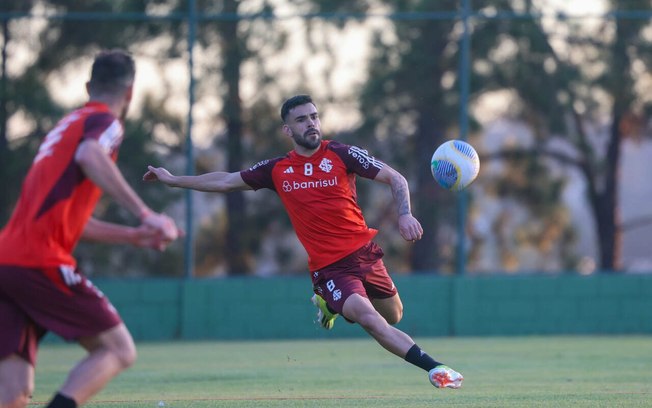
(319, 195)
(57, 199)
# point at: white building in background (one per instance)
(635, 198)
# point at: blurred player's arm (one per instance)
(408, 226)
(142, 236)
(101, 170)
(98, 166)
(218, 181)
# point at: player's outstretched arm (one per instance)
(408, 226)
(218, 181)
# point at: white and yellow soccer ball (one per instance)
(455, 164)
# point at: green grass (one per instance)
(499, 372)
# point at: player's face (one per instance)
(303, 125)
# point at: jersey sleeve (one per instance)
(357, 160)
(104, 128)
(260, 174)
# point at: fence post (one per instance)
(189, 253)
(464, 73)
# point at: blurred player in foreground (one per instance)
(40, 287)
(316, 183)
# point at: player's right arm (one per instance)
(218, 181)
(101, 170)
(408, 226)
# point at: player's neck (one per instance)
(115, 106)
(302, 151)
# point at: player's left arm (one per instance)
(142, 236)
(409, 227)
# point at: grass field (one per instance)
(499, 372)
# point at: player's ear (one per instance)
(286, 130)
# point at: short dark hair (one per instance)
(113, 71)
(293, 102)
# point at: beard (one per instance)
(304, 141)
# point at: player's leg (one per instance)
(16, 382)
(378, 285)
(325, 315)
(360, 310)
(19, 337)
(108, 354)
(390, 308)
(65, 302)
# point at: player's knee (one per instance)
(118, 343)
(392, 314)
(15, 390)
(127, 356)
(22, 400)
(16, 397)
(395, 315)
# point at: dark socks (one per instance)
(420, 358)
(61, 401)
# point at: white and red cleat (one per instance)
(445, 377)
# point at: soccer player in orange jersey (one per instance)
(316, 183)
(41, 288)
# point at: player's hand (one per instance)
(158, 174)
(163, 224)
(409, 227)
(144, 236)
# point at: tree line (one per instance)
(578, 93)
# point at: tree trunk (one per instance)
(425, 255)
(621, 85)
(235, 209)
(429, 104)
(609, 234)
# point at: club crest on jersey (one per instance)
(326, 165)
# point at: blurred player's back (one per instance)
(57, 199)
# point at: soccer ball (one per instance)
(455, 164)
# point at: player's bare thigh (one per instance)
(390, 308)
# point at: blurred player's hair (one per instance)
(112, 73)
